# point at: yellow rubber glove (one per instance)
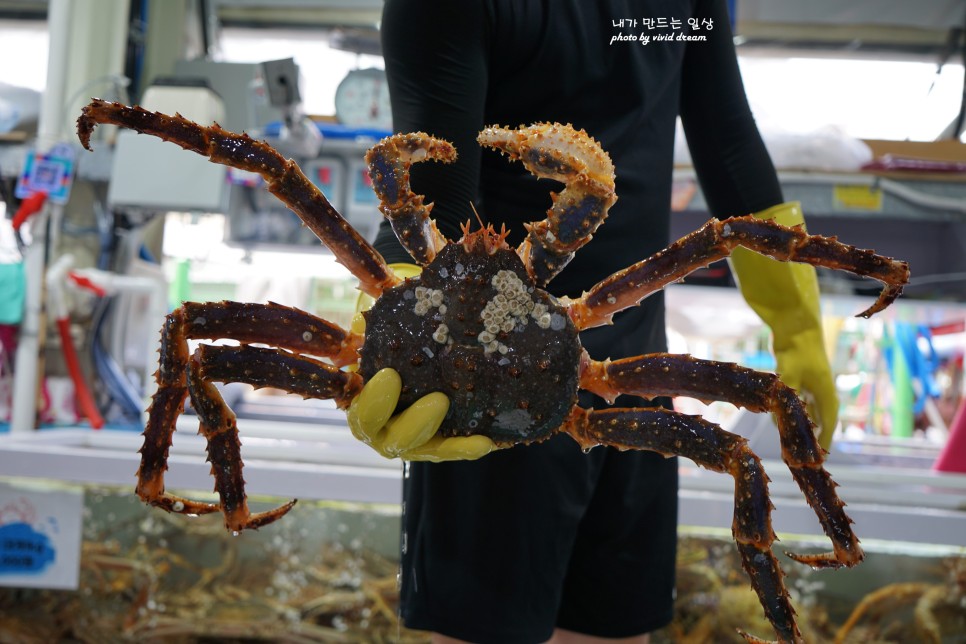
(411, 434)
(785, 295)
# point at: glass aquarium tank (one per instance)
(902, 592)
(328, 572)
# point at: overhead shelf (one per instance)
(863, 195)
(917, 217)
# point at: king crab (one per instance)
(477, 325)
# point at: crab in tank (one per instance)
(477, 325)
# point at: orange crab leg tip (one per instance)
(264, 518)
(261, 519)
(180, 505)
(827, 560)
(86, 122)
(888, 295)
(751, 639)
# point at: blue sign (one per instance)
(23, 550)
(40, 535)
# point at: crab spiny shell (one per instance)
(474, 327)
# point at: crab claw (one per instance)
(571, 156)
(555, 151)
(389, 162)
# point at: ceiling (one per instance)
(920, 27)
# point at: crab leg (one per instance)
(714, 241)
(267, 323)
(262, 368)
(285, 180)
(265, 367)
(389, 162)
(671, 433)
(663, 374)
(272, 324)
(554, 151)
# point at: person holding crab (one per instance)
(552, 540)
(546, 542)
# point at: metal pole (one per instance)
(86, 41)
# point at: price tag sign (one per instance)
(40, 536)
(52, 173)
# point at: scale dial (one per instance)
(362, 100)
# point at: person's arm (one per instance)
(733, 166)
(738, 178)
(436, 65)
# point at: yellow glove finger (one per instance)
(358, 323)
(462, 448)
(410, 434)
(803, 366)
(364, 301)
(373, 407)
(414, 426)
(822, 409)
(786, 297)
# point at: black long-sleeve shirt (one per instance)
(454, 67)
